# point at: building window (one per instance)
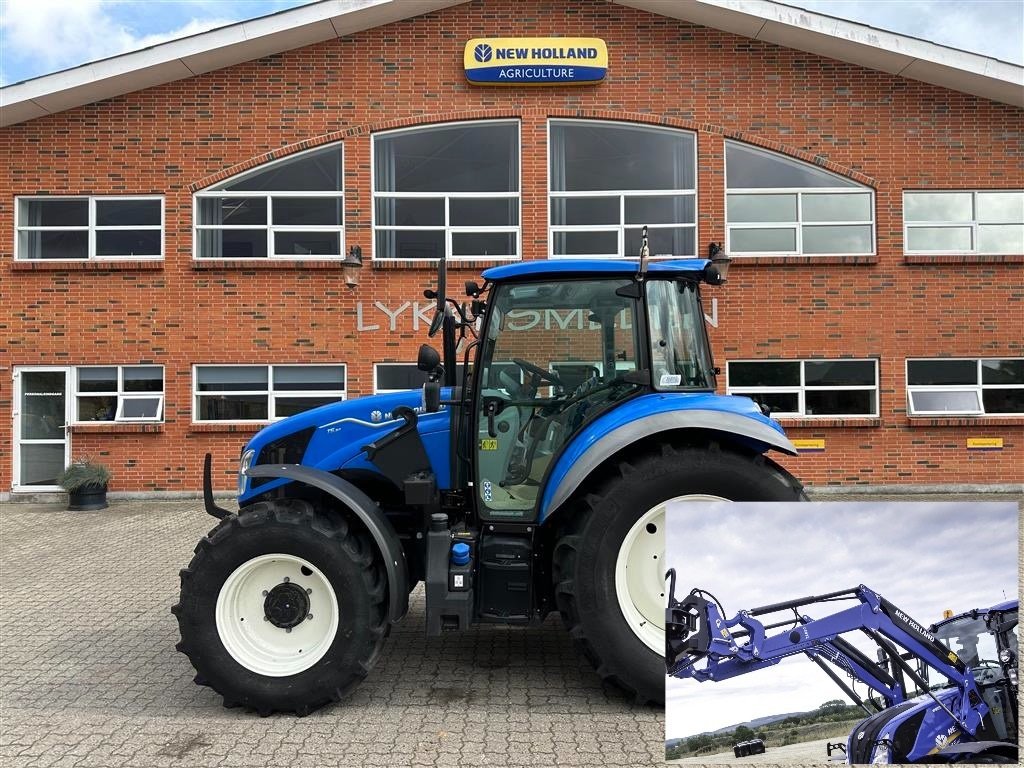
(447, 190)
(963, 222)
(809, 388)
(776, 205)
(608, 180)
(119, 393)
(80, 228)
(263, 392)
(401, 377)
(287, 209)
(965, 387)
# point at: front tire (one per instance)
(282, 609)
(614, 614)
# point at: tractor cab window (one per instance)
(970, 639)
(555, 355)
(680, 355)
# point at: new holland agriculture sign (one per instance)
(535, 60)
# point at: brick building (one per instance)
(175, 224)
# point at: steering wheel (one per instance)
(537, 371)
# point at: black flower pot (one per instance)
(88, 498)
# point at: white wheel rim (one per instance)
(640, 574)
(253, 640)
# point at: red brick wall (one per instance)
(889, 132)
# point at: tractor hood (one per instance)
(332, 437)
(907, 732)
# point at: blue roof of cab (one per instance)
(597, 267)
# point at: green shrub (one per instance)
(83, 473)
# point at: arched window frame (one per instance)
(217, 191)
(623, 194)
(799, 223)
(448, 228)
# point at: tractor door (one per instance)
(553, 356)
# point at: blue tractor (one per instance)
(575, 400)
(969, 714)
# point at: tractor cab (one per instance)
(556, 351)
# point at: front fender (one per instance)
(648, 415)
(369, 514)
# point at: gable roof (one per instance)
(765, 20)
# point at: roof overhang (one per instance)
(771, 22)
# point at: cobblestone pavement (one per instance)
(89, 675)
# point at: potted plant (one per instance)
(86, 483)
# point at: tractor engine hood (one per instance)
(332, 438)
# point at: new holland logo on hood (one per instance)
(535, 60)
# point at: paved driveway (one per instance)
(89, 675)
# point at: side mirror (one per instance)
(428, 358)
(431, 396)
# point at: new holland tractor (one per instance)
(530, 475)
(969, 714)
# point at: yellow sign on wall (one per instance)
(984, 443)
(810, 446)
(535, 60)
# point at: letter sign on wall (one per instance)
(535, 60)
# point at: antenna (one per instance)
(645, 253)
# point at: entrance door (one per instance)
(41, 417)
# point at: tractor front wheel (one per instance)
(609, 560)
(282, 609)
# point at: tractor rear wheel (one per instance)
(282, 609)
(609, 560)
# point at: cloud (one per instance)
(41, 36)
(989, 27)
(924, 557)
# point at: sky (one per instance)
(38, 37)
(924, 557)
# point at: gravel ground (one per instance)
(807, 753)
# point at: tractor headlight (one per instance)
(880, 754)
(1006, 656)
(243, 466)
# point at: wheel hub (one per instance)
(286, 606)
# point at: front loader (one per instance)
(969, 715)
(529, 476)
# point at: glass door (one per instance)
(41, 445)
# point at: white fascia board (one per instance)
(848, 41)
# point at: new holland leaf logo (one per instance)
(483, 52)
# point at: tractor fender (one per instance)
(369, 514)
(599, 442)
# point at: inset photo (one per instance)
(847, 632)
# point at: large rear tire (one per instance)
(608, 563)
(281, 609)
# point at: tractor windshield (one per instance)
(554, 356)
(976, 646)
(680, 354)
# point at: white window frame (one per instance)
(801, 389)
(270, 227)
(622, 194)
(978, 388)
(447, 228)
(974, 224)
(270, 392)
(91, 227)
(799, 223)
(120, 395)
